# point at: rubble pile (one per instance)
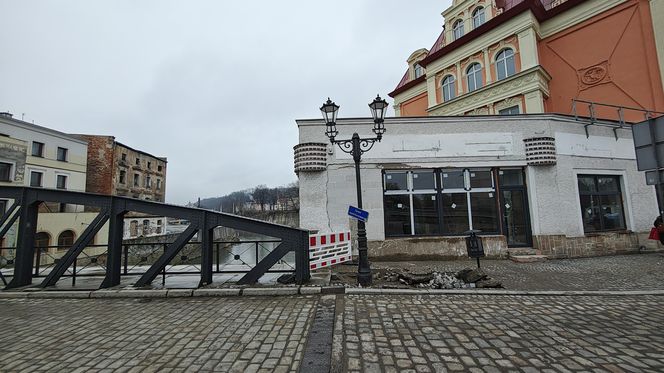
(466, 278)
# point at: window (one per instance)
(124, 157)
(66, 240)
(42, 241)
(601, 203)
(505, 64)
(138, 161)
(478, 17)
(457, 29)
(61, 182)
(419, 71)
(137, 180)
(146, 227)
(430, 202)
(3, 206)
(36, 178)
(123, 176)
(149, 165)
(5, 171)
(133, 228)
(474, 73)
(159, 168)
(62, 154)
(513, 110)
(37, 149)
(148, 182)
(159, 224)
(449, 88)
(158, 184)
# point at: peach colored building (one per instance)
(537, 56)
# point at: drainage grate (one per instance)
(318, 351)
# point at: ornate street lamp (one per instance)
(357, 146)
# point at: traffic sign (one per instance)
(358, 214)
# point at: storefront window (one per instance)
(397, 215)
(601, 203)
(434, 202)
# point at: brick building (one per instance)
(117, 169)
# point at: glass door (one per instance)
(516, 219)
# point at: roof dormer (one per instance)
(414, 69)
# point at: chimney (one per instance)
(6, 114)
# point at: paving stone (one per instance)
(148, 334)
(484, 333)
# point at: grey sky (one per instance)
(215, 86)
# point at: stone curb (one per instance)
(301, 290)
(160, 293)
(371, 291)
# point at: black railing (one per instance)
(205, 257)
(134, 262)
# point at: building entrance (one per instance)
(516, 220)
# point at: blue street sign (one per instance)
(358, 214)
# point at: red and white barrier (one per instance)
(327, 249)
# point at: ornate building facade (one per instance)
(539, 56)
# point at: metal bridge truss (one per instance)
(25, 209)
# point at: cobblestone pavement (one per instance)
(623, 272)
(473, 333)
(149, 335)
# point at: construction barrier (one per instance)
(328, 249)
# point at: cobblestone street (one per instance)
(372, 332)
(621, 272)
(150, 335)
(502, 333)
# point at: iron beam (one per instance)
(81, 243)
(301, 247)
(9, 212)
(207, 237)
(9, 223)
(172, 250)
(114, 252)
(25, 248)
(264, 265)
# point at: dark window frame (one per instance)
(40, 149)
(59, 177)
(439, 191)
(9, 172)
(64, 152)
(597, 193)
(41, 179)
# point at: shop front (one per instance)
(529, 181)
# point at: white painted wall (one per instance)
(74, 168)
(468, 142)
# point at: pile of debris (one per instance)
(466, 278)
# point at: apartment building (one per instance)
(539, 56)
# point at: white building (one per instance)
(525, 181)
(49, 159)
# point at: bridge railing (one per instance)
(287, 252)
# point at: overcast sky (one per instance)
(215, 86)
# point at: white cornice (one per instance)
(410, 93)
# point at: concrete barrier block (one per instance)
(216, 292)
(304, 290)
(270, 291)
(12, 294)
(179, 293)
(75, 294)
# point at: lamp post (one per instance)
(357, 146)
